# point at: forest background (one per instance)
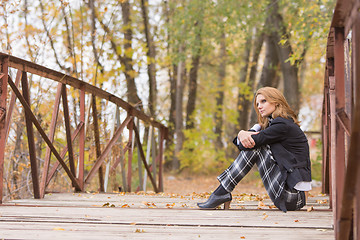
(192, 65)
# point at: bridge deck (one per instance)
(156, 216)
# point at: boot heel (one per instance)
(227, 205)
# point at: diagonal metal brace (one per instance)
(2, 113)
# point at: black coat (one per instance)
(289, 147)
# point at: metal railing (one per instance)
(341, 119)
(75, 133)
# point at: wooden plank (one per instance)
(152, 216)
(118, 231)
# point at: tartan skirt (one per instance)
(273, 178)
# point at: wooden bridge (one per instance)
(161, 216)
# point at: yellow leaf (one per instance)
(58, 229)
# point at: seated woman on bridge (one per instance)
(278, 147)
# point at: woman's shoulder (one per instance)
(282, 120)
(287, 123)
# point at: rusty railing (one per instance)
(75, 133)
(341, 119)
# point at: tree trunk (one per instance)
(172, 73)
(26, 32)
(269, 75)
(289, 71)
(93, 34)
(133, 97)
(190, 108)
(180, 82)
(125, 60)
(246, 100)
(151, 54)
(220, 93)
(242, 80)
(70, 44)
(52, 44)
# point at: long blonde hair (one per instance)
(282, 108)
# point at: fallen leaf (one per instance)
(58, 229)
(170, 205)
(261, 204)
(310, 209)
(322, 230)
(296, 221)
(108, 205)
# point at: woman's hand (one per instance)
(245, 138)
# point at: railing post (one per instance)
(97, 141)
(81, 142)
(356, 81)
(51, 137)
(31, 140)
(153, 152)
(12, 103)
(339, 165)
(3, 97)
(130, 155)
(161, 156)
(141, 179)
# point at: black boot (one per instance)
(219, 196)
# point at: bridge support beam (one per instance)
(4, 65)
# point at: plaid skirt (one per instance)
(274, 179)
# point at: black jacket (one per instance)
(289, 147)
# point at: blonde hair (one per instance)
(282, 108)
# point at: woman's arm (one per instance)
(277, 132)
(245, 138)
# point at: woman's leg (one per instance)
(271, 175)
(294, 199)
(238, 169)
(284, 198)
(229, 178)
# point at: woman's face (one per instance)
(265, 108)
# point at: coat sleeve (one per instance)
(276, 132)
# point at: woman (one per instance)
(278, 147)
